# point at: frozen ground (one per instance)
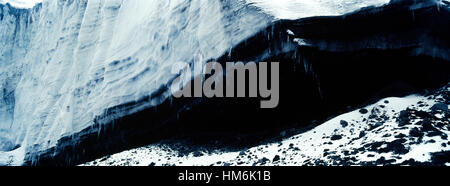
(395, 131)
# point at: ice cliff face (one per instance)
(62, 63)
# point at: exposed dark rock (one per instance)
(362, 134)
(373, 146)
(242, 153)
(336, 137)
(263, 161)
(411, 162)
(396, 147)
(440, 107)
(403, 118)
(363, 111)
(440, 158)
(377, 124)
(401, 136)
(344, 123)
(197, 154)
(383, 161)
(422, 114)
(276, 158)
(415, 132)
(444, 136)
(426, 125)
(436, 132)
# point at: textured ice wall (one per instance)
(64, 62)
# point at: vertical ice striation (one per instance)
(64, 62)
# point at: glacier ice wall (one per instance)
(63, 62)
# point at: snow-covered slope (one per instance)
(63, 63)
(411, 130)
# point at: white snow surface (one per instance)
(64, 62)
(309, 147)
(21, 3)
(294, 9)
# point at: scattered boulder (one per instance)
(396, 147)
(197, 154)
(242, 153)
(378, 124)
(426, 125)
(383, 161)
(363, 111)
(403, 118)
(440, 158)
(415, 132)
(344, 123)
(276, 158)
(336, 137)
(401, 136)
(263, 161)
(362, 134)
(439, 107)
